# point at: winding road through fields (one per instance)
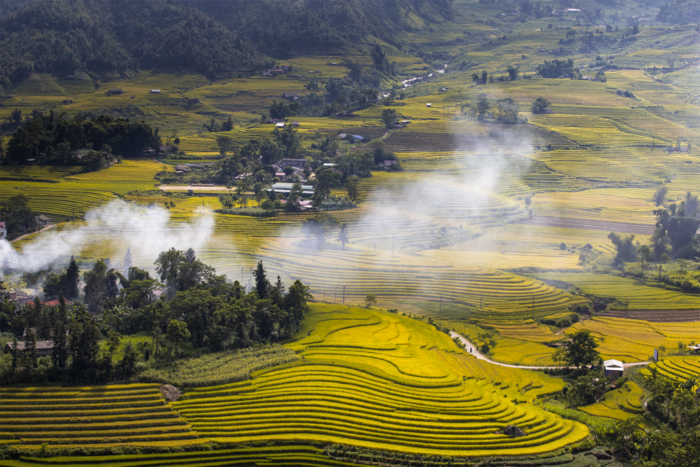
(480, 356)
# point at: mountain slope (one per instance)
(283, 28)
(112, 36)
(679, 11)
(10, 6)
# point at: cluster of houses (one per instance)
(279, 123)
(39, 222)
(43, 348)
(297, 164)
(280, 70)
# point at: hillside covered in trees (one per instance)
(10, 6)
(103, 37)
(679, 11)
(286, 28)
(108, 37)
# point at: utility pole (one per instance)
(392, 247)
(441, 304)
(343, 295)
(533, 307)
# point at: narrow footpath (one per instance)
(480, 356)
(32, 233)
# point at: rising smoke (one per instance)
(119, 225)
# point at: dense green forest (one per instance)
(285, 28)
(10, 6)
(52, 139)
(679, 11)
(101, 37)
(197, 308)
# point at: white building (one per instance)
(614, 368)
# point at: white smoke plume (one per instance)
(147, 231)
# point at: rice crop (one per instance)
(382, 381)
(619, 404)
(101, 416)
(221, 367)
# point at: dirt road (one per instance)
(481, 356)
(211, 189)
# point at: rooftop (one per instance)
(614, 365)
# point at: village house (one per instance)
(290, 96)
(42, 221)
(18, 298)
(54, 303)
(286, 189)
(614, 369)
(280, 70)
(43, 348)
(155, 91)
(296, 163)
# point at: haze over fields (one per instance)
(349, 232)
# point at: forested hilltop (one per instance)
(286, 28)
(679, 11)
(103, 37)
(10, 6)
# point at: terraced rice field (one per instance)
(633, 340)
(75, 194)
(640, 296)
(291, 456)
(619, 404)
(102, 416)
(383, 381)
(517, 342)
(677, 368)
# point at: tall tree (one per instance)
(352, 186)
(389, 117)
(660, 195)
(262, 285)
(343, 235)
(84, 346)
(16, 212)
(581, 349)
(100, 285)
(645, 254)
(540, 105)
(626, 249)
(176, 335)
(127, 365)
(60, 340)
(30, 356)
(72, 280)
